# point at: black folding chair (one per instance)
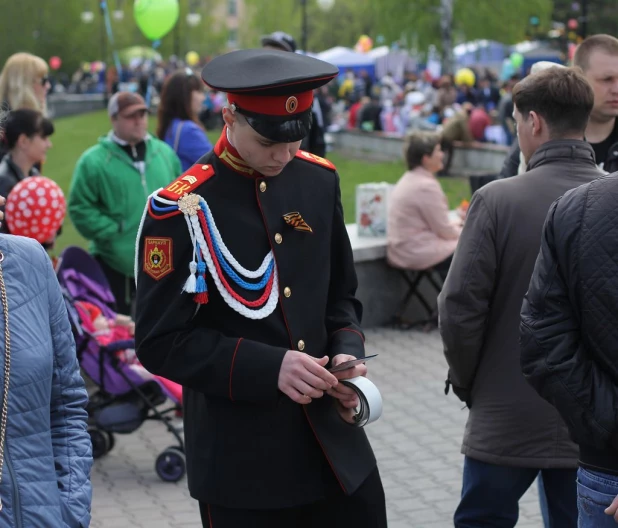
(414, 280)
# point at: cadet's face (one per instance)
(261, 154)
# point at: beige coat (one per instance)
(420, 234)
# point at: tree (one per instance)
(602, 15)
(55, 27)
(419, 23)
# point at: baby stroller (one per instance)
(126, 394)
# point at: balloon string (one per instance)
(110, 36)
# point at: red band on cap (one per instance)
(279, 105)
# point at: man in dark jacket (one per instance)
(512, 434)
(569, 336)
(270, 433)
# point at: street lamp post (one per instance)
(584, 31)
(304, 30)
(324, 5)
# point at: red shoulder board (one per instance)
(312, 158)
(188, 181)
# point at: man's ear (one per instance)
(537, 123)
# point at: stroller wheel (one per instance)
(111, 440)
(100, 442)
(171, 465)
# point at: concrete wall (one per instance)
(380, 146)
(61, 105)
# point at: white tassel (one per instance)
(190, 285)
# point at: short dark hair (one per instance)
(28, 122)
(605, 43)
(561, 96)
(175, 100)
(417, 145)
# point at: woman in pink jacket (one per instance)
(420, 233)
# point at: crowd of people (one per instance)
(526, 312)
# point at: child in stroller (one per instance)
(126, 395)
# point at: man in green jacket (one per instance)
(111, 183)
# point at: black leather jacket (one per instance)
(569, 324)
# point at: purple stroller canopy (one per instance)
(84, 280)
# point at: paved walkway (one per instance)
(416, 442)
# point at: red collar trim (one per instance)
(230, 157)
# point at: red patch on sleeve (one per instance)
(158, 259)
(312, 158)
(188, 181)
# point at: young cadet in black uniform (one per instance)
(245, 296)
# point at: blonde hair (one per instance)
(17, 79)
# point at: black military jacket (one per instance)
(248, 445)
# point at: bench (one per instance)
(382, 288)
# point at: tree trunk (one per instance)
(446, 32)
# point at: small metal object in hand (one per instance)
(350, 364)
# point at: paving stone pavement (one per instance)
(417, 443)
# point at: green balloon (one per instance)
(517, 59)
(155, 18)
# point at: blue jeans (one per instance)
(490, 495)
(595, 492)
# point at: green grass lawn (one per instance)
(75, 134)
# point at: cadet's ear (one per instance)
(228, 116)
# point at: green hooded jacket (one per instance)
(108, 195)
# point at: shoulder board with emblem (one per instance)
(188, 181)
(317, 160)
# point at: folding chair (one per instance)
(414, 280)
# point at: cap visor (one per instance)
(279, 130)
(130, 110)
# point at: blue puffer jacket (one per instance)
(47, 457)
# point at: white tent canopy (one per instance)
(346, 57)
(376, 53)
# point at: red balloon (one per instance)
(55, 63)
(572, 23)
(35, 208)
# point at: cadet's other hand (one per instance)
(358, 370)
(347, 399)
(2, 202)
(303, 377)
(612, 509)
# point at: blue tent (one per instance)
(348, 59)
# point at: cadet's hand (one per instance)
(303, 377)
(612, 509)
(2, 202)
(346, 397)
